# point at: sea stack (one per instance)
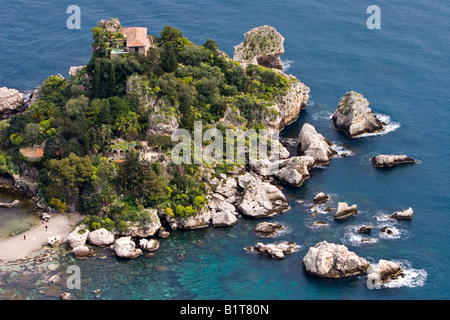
(354, 117)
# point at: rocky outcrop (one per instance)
(390, 160)
(344, 211)
(162, 124)
(54, 241)
(287, 108)
(101, 237)
(223, 214)
(354, 117)
(11, 100)
(329, 260)
(143, 229)
(403, 215)
(385, 270)
(198, 221)
(294, 171)
(315, 145)
(274, 250)
(260, 199)
(78, 236)
(268, 229)
(125, 248)
(321, 198)
(262, 46)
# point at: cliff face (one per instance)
(262, 46)
(10, 100)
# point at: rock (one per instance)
(403, 215)
(354, 117)
(125, 248)
(365, 229)
(294, 171)
(162, 124)
(45, 216)
(227, 187)
(390, 160)
(261, 199)
(344, 211)
(146, 229)
(274, 250)
(198, 221)
(223, 214)
(101, 237)
(320, 224)
(67, 296)
(331, 260)
(54, 241)
(11, 100)
(262, 46)
(149, 245)
(80, 252)
(268, 229)
(388, 231)
(313, 144)
(13, 204)
(162, 233)
(78, 236)
(385, 271)
(321, 198)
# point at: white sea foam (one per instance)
(322, 115)
(411, 277)
(389, 126)
(286, 64)
(342, 150)
(356, 239)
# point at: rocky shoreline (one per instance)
(255, 190)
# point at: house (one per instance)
(137, 39)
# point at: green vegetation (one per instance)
(110, 100)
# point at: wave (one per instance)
(322, 115)
(358, 239)
(389, 126)
(287, 64)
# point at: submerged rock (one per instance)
(274, 250)
(390, 160)
(402, 215)
(354, 117)
(344, 211)
(331, 260)
(315, 145)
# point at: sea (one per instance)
(402, 68)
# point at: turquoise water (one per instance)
(402, 69)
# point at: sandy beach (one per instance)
(18, 247)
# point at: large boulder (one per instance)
(321, 197)
(149, 245)
(143, 229)
(403, 215)
(101, 237)
(345, 211)
(80, 252)
(125, 248)
(10, 100)
(260, 199)
(354, 117)
(200, 220)
(315, 145)
(262, 46)
(268, 229)
(295, 170)
(223, 214)
(329, 260)
(384, 160)
(78, 236)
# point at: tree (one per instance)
(31, 133)
(170, 34)
(169, 61)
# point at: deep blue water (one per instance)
(402, 69)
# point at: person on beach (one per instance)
(24, 237)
